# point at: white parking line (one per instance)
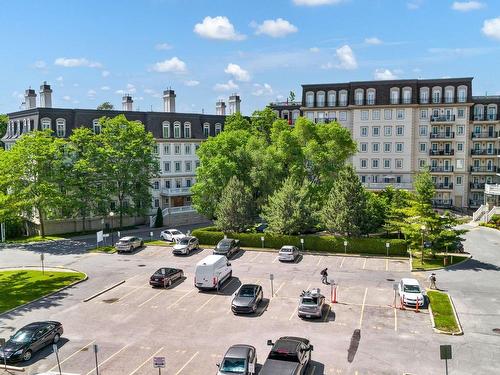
(255, 257)
(206, 303)
(107, 359)
(364, 263)
(395, 319)
(229, 283)
(279, 288)
(319, 261)
(275, 259)
(131, 292)
(187, 363)
(146, 361)
(156, 295)
(387, 264)
(181, 298)
(75, 353)
(363, 308)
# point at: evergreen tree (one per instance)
(159, 218)
(235, 209)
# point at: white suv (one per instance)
(410, 292)
(171, 235)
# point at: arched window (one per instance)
(46, 123)
(96, 126)
(359, 97)
(320, 99)
(407, 95)
(25, 126)
(343, 98)
(218, 128)
(424, 95)
(187, 130)
(177, 129)
(436, 95)
(395, 95)
(449, 93)
(492, 112)
(370, 96)
(462, 94)
(295, 115)
(310, 99)
(165, 125)
(206, 130)
(60, 127)
(331, 98)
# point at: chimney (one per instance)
(127, 103)
(45, 95)
(30, 98)
(220, 108)
(169, 100)
(234, 104)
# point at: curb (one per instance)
(468, 257)
(50, 294)
(12, 368)
(103, 291)
(459, 333)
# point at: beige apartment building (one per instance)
(403, 126)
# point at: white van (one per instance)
(212, 271)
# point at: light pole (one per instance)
(387, 245)
(423, 231)
(345, 247)
(111, 214)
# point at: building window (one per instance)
(461, 113)
(387, 131)
(188, 166)
(310, 99)
(364, 163)
(399, 163)
(376, 114)
(196, 164)
(331, 98)
(399, 147)
(218, 128)
(422, 163)
(364, 115)
(400, 114)
(196, 147)
(167, 184)
(156, 185)
(206, 130)
(177, 149)
(423, 131)
(156, 149)
(407, 95)
(375, 163)
(460, 146)
(370, 97)
(177, 166)
(394, 96)
(460, 130)
(460, 163)
(46, 124)
(423, 114)
(375, 131)
(187, 130)
(96, 126)
(448, 95)
(462, 94)
(459, 180)
(364, 131)
(178, 184)
(188, 182)
(363, 147)
(387, 163)
(166, 129)
(400, 130)
(375, 147)
(177, 129)
(166, 149)
(423, 147)
(343, 116)
(61, 127)
(320, 99)
(187, 149)
(343, 98)
(387, 114)
(387, 147)
(436, 96)
(424, 95)
(157, 203)
(166, 166)
(358, 97)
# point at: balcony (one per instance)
(441, 169)
(383, 185)
(444, 118)
(394, 100)
(325, 120)
(450, 152)
(448, 99)
(485, 135)
(406, 100)
(492, 189)
(442, 135)
(475, 203)
(359, 102)
(285, 104)
(477, 185)
(483, 169)
(176, 191)
(442, 203)
(370, 101)
(443, 186)
(485, 117)
(484, 152)
(342, 103)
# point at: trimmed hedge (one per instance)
(329, 244)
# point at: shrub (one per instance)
(329, 244)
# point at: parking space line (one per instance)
(146, 361)
(395, 319)
(319, 261)
(279, 288)
(187, 363)
(229, 283)
(181, 298)
(364, 263)
(132, 291)
(363, 308)
(275, 259)
(342, 263)
(107, 359)
(326, 316)
(255, 257)
(206, 303)
(156, 295)
(387, 264)
(72, 355)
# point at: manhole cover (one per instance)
(496, 330)
(390, 280)
(141, 265)
(111, 300)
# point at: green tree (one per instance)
(398, 201)
(159, 218)
(235, 209)
(291, 96)
(4, 120)
(345, 207)
(105, 106)
(376, 212)
(128, 164)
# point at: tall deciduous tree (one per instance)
(4, 119)
(125, 157)
(345, 206)
(105, 106)
(235, 209)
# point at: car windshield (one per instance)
(224, 245)
(161, 271)
(184, 241)
(310, 301)
(175, 232)
(22, 336)
(233, 365)
(247, 292)
(411, 289)
(283, 355)
(286, 250)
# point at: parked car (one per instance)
(185, 245)
(212, 271)
(247, 299)
(311, 304)
(410, 292)
(171, 235)
(165, 276)
(239, 359)
(227, 247)
(30, 339)
(261, 227)
(129, 244)
(289, 355)
(288, 253)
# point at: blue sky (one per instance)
(95, 50)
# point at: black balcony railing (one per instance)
(485, 117)
(477, 185)
(441, 169)
(481, 169)
(359, 101)
(441, 185)
(484, 151)
(442, 135)
(444, 118)
(370, 101)
(448, 99)
(406, 100)
(394, 100)
(442, 202)
(286, 104)
(491, 134)
(450, 152)
(324, 120)
(475, 203)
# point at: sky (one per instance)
(91, 51)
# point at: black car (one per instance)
(30, 339)
(247, 299)
(227, 247)
(289, 355)
(165, 277)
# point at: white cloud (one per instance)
(277, 28)
(327, 65)
(230, 85)
(105, 73)
(105, 88)
(76, 85)
(76, 62)
(152, 92)
(491, 28)
(192, 82)
(121, 92)
(373, 41)
(346, 58)
(465, 6)
(66, 98)
(314, 49)
(384, 74)
(217, 28)
(131, 88)
(163, 46)
(59, 79)
(414, 5)
(313, 3)
(237, 72)
(260, 90)
(40, 64)
(91, 93)
(173, 65)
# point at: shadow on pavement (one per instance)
(353, 346)
(474, 265)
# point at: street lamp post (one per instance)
(345, 247)
(387, 245)
(111, 214)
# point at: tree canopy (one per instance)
(105, 106)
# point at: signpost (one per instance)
(42, 258)
(2, 232)
(302, 243)
(56, 351)
(159, 363)
(96, 349)
(445, 351)
(262, 240)
(100, 237)
(271, 277)
(387, 245)
(2, 344)
(151, 236)
(395, 288)
(345, 247)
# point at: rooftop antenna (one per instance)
(203, 111)
(151, 108)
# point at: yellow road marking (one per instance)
(75, 353)
(107, 359)
(187, 363)
(146, 361)
(363, 308)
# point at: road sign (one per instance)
(445, 351)
(100, 236)
(150, 234)
(159, 362)
(105, 235)
(302, 240)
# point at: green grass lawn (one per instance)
(103, 249)
(22, 286)
(159, 243)
(34, 239)
(432, 263)
(443, 312)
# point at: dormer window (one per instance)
(370, 97)
(187, 130)
(310, 99)
(395, 96)
(343, 98)
(462, 94)
(177, 129)
(165, 129)
(46, 123)
(436, 95)
(407, 95)
(358, 97)
(424, 95)
(206, 130)
(320, 99)
(60, 127)
(218, 128)
(448, 95)
(96, 126)
(332, 98)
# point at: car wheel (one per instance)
(131, 249)
(142, 244)
(27, 355)
(56, 338)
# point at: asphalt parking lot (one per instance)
(361, 334)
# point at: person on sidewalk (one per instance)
(432, 279)
(324, 276)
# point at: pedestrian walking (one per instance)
(432, 279)
(324, 276)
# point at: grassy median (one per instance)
(23, 286)
(22, 240)
(103, 249)
(434, 262)
(442, 311)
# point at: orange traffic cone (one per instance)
(416, 307)
(402, 307)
